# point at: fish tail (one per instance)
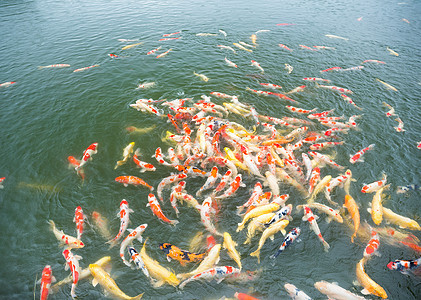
(240, 227)
(137, 297)
(326, 246)
(174, 222)
(52, 225)
(119, 163)
(183, 276)
(273, 256)
(257, 254)
(352, 237)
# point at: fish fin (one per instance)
(283, 232)
(272, 237)
(304, 218)
(365, 292)
(219, 280)
(140, 239)
(125, 184)
(157, 284)
(169, 258)
(130, 210)
(328, 220)
(78, 257)
(129, 230)
(66, 267)
(217, 260)
(148, 205)
(316, 217)
(94, 282)
(377, 253)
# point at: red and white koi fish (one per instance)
(79, 219)
(123, 214)
(144, 166)
(159, 157)
(113, 55)
(169, 39)
(357, 157)
(282, 96)
(73, 162)
(351, 120)
(179, 188)
(284, 47)
(331, 213)
(324, 145)
(320, 115)
(264, 93)
(69, 241)
(314, 79)
(126, 180)
(257, 65)
(372, 246)
(145, 85)
(257, 192)
(6, 84)
(157, 211)
(205, 212)
(235, 185)
(307, 163)
(308, 216)
(332, 69)
(329, 119)
(350, 101)
(72, 264)
(154, 50)
(85, 68)
(297, 89)
(334, 124)
(87, 155)
(271, 85)
(300, 110)
(335, 88)
(324, 48)
(334, 291)
(134, 234)
(221, 95)
(325, 159)
(164, 54)
(307, 47)
(170, 34)
(46, 279)
(391, 112)
(230, 63)
(210, 182)
(297, 132)
(54, 66)
(373, 61)
(334, 182)
(334, 130)
(218, 273)
(399, 128)
(314, 178)
(169, 180)
(226, 47)
(375, 186)
(353, 68)
(313, 139)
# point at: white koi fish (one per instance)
(230, 63)
(226, 47)
(257, 65)
(296, 293)
(289, 68)
(69, 241)
(124, 221)
(134, 234)
(308, 216)
(242, 47)
(72, 264)
(336, 37)
(205, 212)
(334, 291)
(54, 66)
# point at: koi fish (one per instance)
(357, 157)
(169, 39)
(54, 66)
(300, 110)
(131, 46)
(223, 32)
(404, 189)
(289, 68)
(399, 220)
(388, 86)
(335, 88)
(124, 221)
(336, 37)
(156, 271)
(297, 89)
(247, 45)
(87, 155)
(271, 85)
(205, 212)
(7, 84)
(404, 265)
(72, 264)
(306, 47)
(79, 219)
(104, 279)
(399, 128)
(85, 68)
(391, 112)
(157, 211)
(324, 47)
(372, 246)
(126, 180)
(206, 34)
(289, 239)
(331, 69)
(234, 186)
(230, 63)
(308, 216)
(284, 47)
(370, 286)
(314, 79)
(137, 259)
(350, 101)
(325, 159)
(144, 166)
(218, 273)
(269, 233)
(334, 291)
(226, 47)
(69, 241)
(325, 145)
(295, 293)
(331, 213)
(392, 52)
(46, 279)
(320, 115)
(134, 234)
(127, 151)
(113, 55)
(314, 178)
(145, 85)
(73, 162)
(375, 186)
(257, 65)
(201, 76)
(243, 296)
(101, 224)
(229, 244)
(210, 182)
(164, 53)
(170, 34)
(154, 50)
(242, 47)
(373, 61)
(182, 256)
(352, 208)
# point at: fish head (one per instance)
(47, 274)
(392, 265)
(166, 247)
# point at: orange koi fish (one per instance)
(126, 180)
(157, 211)
(352, 208)
(182, 256)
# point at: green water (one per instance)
(50, 114)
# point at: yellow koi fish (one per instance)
(388, 86)
(202, 76)
(352, 208)
(127, 152)
(158, 272)
(392, 52)
(131, 46)
(242, 47)
(319, 187)
(399, 220)
(105, 280)
(229, 244)
(231, 157)
(258, 211)
(253, 38)
(257, 224)
(370, 286)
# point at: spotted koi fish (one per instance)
(157, 211)
(325, 159)
(289, 239)
(133, 180)
(46, 279)
(357, 157)
(159, 157)
(79, 219)
(218, 273)
(144, 166)
(282, 214)
(69, 241)
(350, 101)
(124, 221)
(308, 216)
(137, 259)
(134, 234)
(324, 145)
(372, 246)
(72, 264)
(87, 155)
(300, 110)
(182, 256)
(320, 115)
(375, 186)
(404, 265)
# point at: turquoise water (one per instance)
(50, 114)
